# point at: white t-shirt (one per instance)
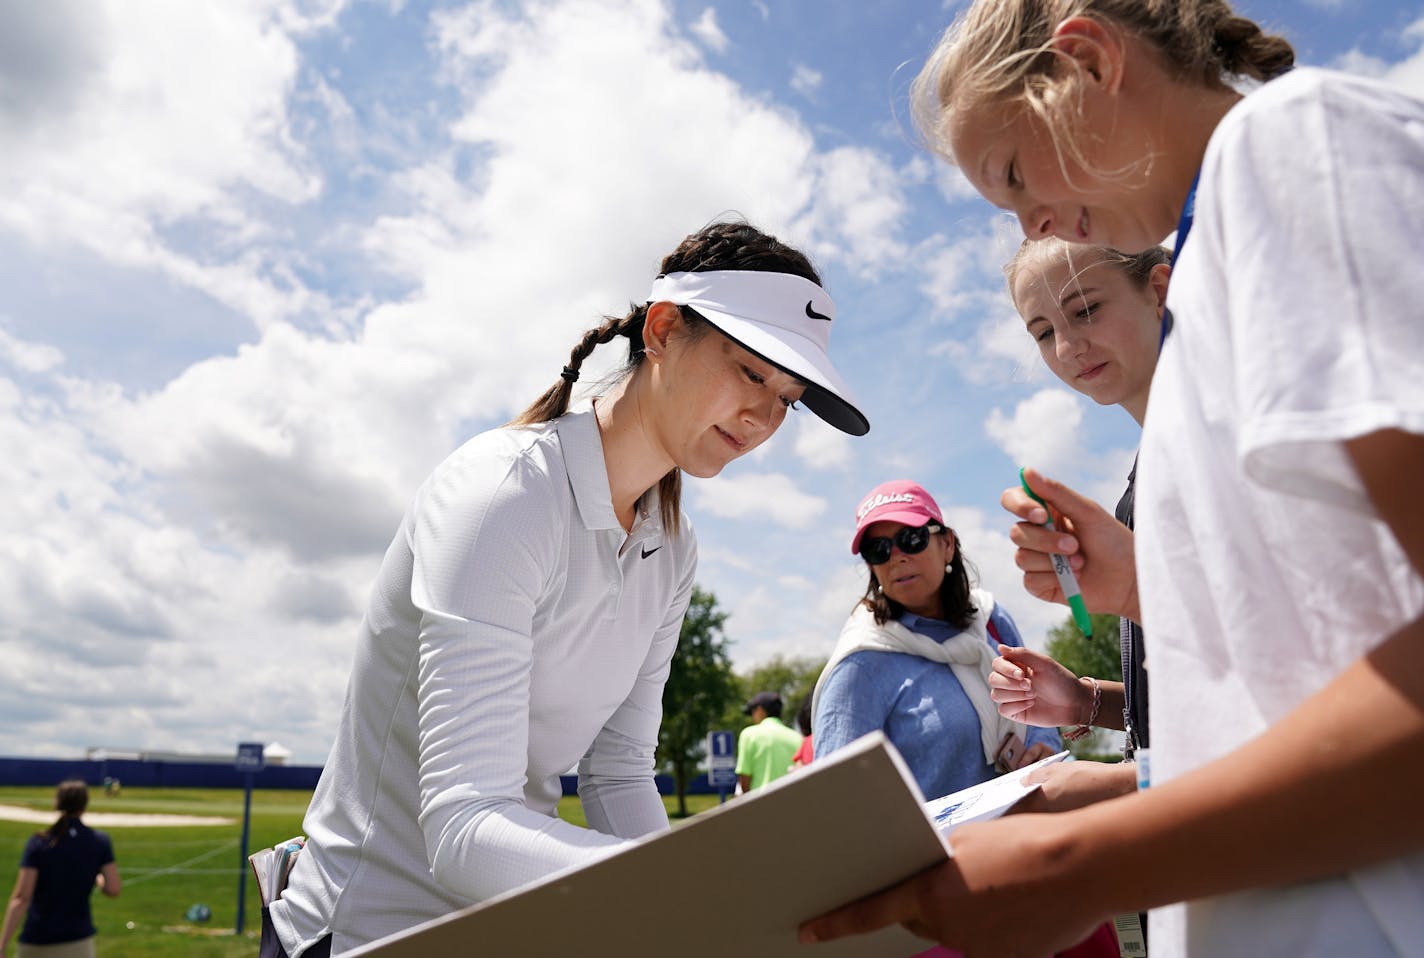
(1264, 573)
(514, 629)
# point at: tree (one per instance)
(1099, 656)
(699, 688)
(794, 678)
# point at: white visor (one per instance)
(783, 318)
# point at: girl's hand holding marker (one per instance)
(1066, 580)
(1097, 549)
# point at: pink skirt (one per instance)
(1102, 943)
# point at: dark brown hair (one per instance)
(70, 800)
(728, 245)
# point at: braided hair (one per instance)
(720, 246)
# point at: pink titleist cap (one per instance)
(898, 500)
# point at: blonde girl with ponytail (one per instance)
(1279, 546)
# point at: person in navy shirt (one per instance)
(58, 872)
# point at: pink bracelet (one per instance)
(1074, 734)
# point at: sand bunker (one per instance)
(16, 813)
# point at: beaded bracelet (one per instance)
(1074, 734)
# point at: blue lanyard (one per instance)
(1184, 226)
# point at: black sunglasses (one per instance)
(911, 540)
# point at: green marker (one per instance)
(1066, 580)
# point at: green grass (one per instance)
(166, 869)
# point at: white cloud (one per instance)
(769, 619)
(770, 495)
(312, 445)
(965, 275)
(985, 540)
(963, 281)
(998, 351)
(1042, 432)
(301, 447)
(805, 80)
(162, 114)
(707, 30)
(1004, 338)
(126, 629)
(277, 473)
(408, 245)
(1406, 74)
(856, 210)
(27, 356)
(1112, 467)
(952, 183)
(819, 445)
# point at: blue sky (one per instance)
(264, 264)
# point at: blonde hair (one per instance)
(1002, 52)
(1137, 267)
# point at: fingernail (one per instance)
(1064, 545)
(806, 937)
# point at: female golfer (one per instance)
(1280, 539)
(526, 612)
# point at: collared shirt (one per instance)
(765, 750)
(514, 629)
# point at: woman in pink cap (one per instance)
(914, 657)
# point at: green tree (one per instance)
(1099, 656)
(793, 677)
(699, 688)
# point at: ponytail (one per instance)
(71, 799)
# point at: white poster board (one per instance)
(752, 869)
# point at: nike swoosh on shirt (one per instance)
(647, 552)
(815, 315)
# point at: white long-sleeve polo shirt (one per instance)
(514, 629)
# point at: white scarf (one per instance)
(967, 654)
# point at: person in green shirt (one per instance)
(766, 747)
